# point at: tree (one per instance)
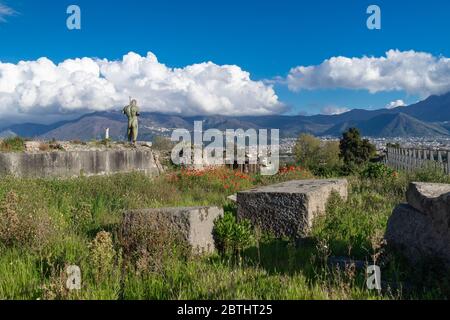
(306, 150)
(330, 154)
(355, 151)
(322, 157)
(393, 145)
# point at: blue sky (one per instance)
(264, 38)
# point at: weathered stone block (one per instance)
(432, 199)
(67, 164)
(191, 225)
(413, 234)
(289, 208)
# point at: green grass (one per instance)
(15, 144)
(267, 268)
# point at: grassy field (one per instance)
(46, 225)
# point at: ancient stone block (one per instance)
(432, 199)
(67, 164)
(414, 234)
(193, 226)
(289, 208)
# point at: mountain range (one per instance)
(427, 118)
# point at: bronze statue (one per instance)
(132, 112)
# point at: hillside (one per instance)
(427, 118)
(391, 125)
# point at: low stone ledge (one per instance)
(192, 225)
(67, 164)
(289, 208)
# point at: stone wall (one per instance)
(65, 164)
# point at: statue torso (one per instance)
(131, 111)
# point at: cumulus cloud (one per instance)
(395, 104)
(414, 72)
(332, 110)
(85, 84)
(5, 11)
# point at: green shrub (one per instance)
(24, 226)
(327, 171)
(377, 171)
(147, 243)
(102, 255)
(81, 216)
(232, 236)
(15, 144)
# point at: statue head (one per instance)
(133, 102)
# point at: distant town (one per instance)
(435, 143)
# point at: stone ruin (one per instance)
(288, 209)
(69, 159)
(192, 225)
(420, 229)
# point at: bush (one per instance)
(147, 243)
(321, 157)
(15, 144)
(102, 255)
(232, 237)
(23, 227)
(377, 171)
(327, 171)
(81, 216)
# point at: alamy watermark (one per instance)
(73, 22)
(374, 20)
(235, 150)
(373, 281)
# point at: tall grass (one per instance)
(84, 215)
(14, 144)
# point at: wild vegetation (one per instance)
(14, 144)
(47, 225)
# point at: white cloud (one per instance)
(416, 73)
(395, 104)
(332, 110)
(5, 11)
(86, 84)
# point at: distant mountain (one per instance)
(34, 129)
(427, 118)
(86, 128)
(391, 125)
(432, 109)
(92, 126)
(7, 134)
